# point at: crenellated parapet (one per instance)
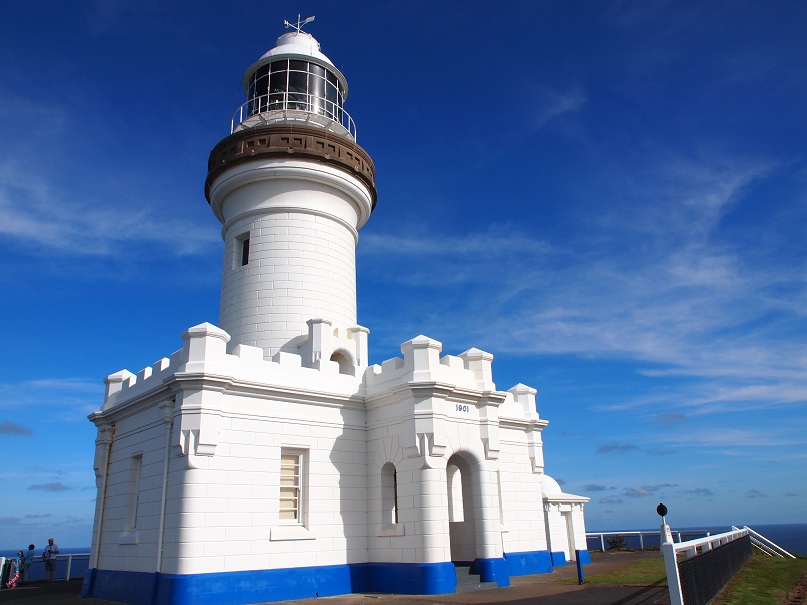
(421, 363)
(329, 358)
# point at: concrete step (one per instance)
(467, 581)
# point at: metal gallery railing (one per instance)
(294, 106)
(68, 567)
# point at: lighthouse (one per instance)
(291, 188)
(267, 459)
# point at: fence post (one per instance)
(673, 579)
(69, 564)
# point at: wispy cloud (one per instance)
(645, 490)
(671, 418)
(69, 394)
(54, 486)
(699, 491)
(12, 428)
(549, 104)
(654, 282)
(616, 448)
(726, 437)
(32, 208)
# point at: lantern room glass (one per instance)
(296, 85)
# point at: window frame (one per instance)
(299, 486)
(242, 250)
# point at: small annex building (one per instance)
(266, 459)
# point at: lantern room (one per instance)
(295, 82)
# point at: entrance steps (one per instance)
(468, 581)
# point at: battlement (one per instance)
(520, 404)
(330, 357)
(421, 362)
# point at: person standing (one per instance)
(14, 577)
(49, 555)
(27, 560)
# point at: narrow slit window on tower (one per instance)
(241, 251)
(244, 251)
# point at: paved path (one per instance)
(543, 589)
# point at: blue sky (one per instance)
(610, 197)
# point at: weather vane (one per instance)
(299, 25)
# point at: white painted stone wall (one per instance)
(230, 414)
(302, 220)
(564, 518)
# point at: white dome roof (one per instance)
(299, 44)
(550, 487)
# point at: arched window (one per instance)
(344, 363)
(389, 494)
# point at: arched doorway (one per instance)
(461, 509)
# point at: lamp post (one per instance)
(670, 561)
(666, 535)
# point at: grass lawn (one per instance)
(763, 581)
(649, 571)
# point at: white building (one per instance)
(265, 459)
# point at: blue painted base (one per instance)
(559, 559)
(410, 578)
(528, 563)
(584, 556)
(492, 570)
(237, 588)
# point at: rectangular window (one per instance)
(134, 491)
(240, 250)
(244, 251)
(292, 486)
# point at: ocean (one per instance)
(790, 536)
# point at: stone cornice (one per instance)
(522, 424)
(288, 141)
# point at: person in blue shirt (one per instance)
(27, 560)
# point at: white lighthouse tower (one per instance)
(266, 459)
(292, 188)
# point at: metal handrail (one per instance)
(690, 547)
(642, 534)
(767, 546)
(69, 558)
(293, 102)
